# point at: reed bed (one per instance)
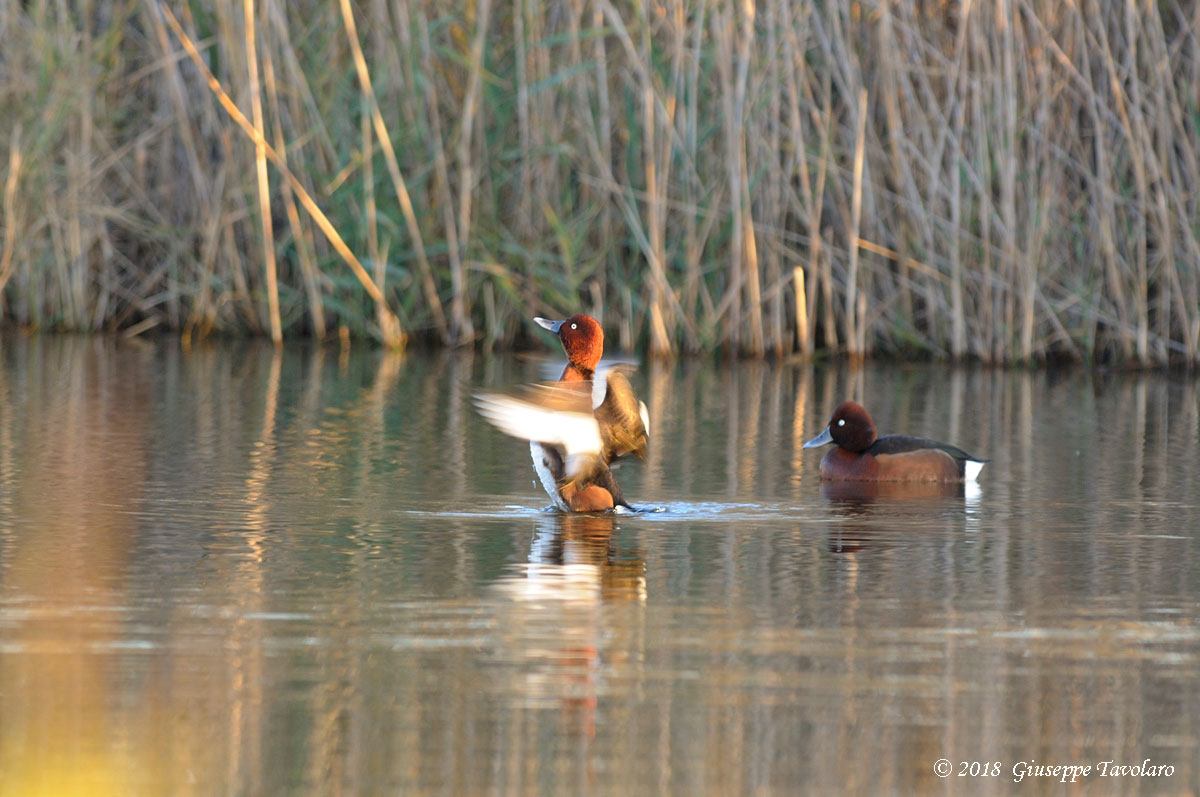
(1012, 180)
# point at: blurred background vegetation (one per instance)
(1009, 180)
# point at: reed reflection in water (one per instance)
(240, 570)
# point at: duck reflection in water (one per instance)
(556, 630)
(588, 540)
(865, 505)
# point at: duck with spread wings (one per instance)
(578, 427)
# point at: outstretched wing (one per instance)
(623, 420)
(551, 419)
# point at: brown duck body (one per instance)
(860, 455)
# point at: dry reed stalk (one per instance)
(603, 124)
(749, 256)
(653, 107)
(1067, 226)
(524, 134)
(201, 316)
(1004, 96)
(1036, 85)
(660, 342)
(694, 251)
(303, 104)
(626, 200)
(390, 329)
(826, 262)
(1103, 211)
(1170, 118)
(958, 320)
(809, 206)
(750, 268)
(386, 319)
(1183, 172)
(260, 164)
(236, 261)
(369, 209)
(1160, 154)
(773, 212)
(695, 290)
(84, 232)
(549, 133)
(460, 326)
(1141, 144)
(672, 121)
(590, 195)
(1139, 340)
(303, 242)
(730, 305)
(900, 167)
(177, 92)
(854, 321)
(460, 309)
(228, 242)
(11, 220)
(972, 164)
(803, 341)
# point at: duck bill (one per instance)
(546, 323)
(824, 438)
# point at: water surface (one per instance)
(232, 570)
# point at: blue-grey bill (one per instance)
(546, 323)
(823, 438)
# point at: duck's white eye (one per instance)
(573, 326)
(842, 422)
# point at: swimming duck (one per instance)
(579, 426)
(861, 455)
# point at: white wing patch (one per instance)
(576, 432)
(599, 387)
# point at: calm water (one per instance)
(231, 571)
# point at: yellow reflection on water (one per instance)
(75, 495)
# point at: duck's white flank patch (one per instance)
(541, 466)
(972, 469)
(645, 413)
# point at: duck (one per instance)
(579, 426)
(861, 455)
